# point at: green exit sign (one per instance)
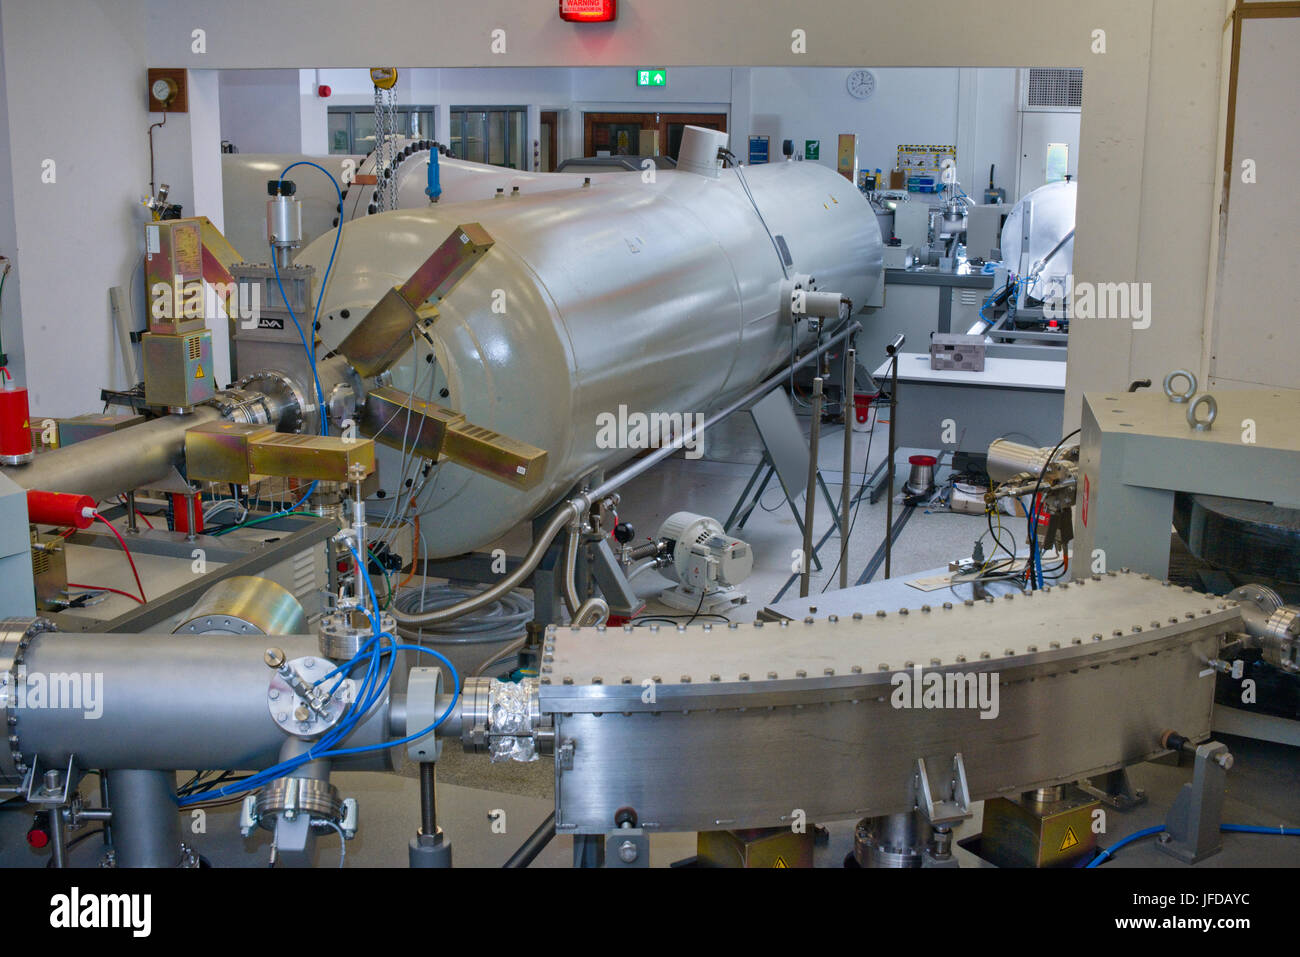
(651, 77)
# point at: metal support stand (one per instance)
(1115, 789)
(846, 466)
(893, 432)
(146, 824)
(1192, 825)
(588, 850)
(889, 462)
(192, 534)
(810, 498)
(429, 848)
(132, 522)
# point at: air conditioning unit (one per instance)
(1044, 90)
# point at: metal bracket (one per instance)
(564, 755)
(1192, 824)
(37, 793)
(627, 847)
(948, 804)
(1116, 790)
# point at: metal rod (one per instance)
(893, 433)
(58, 849)
(642, 465)
(103, 803)
(132, 524)
(534, 844)
(428, 798)
(810, 496)
(846, 493)
(192, 527)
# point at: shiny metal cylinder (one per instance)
(1007, 459)
(283, 221)
(168, 702)
(604, 289)
(146, 821)
(245, 605)
(892, 840)
(108, 465)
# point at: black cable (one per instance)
(673, 619)
(997, 540)
(75, 841)
(698, 607)
(1032, 515)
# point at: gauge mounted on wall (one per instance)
(861, 84)
(167, 91)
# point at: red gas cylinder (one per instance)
(15, 427)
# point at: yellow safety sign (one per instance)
(199, 373)
(1069, 840)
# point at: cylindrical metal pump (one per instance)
(1008, 459)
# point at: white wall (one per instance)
(81, 234)
(260, 110)
(974, 109)
(1155, 93)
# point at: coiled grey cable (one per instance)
(501, 620)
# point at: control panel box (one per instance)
(951, 351)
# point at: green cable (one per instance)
(387, 578)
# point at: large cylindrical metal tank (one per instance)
(163, 702)
(660, 296)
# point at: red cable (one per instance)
(122, 541)
(125, 594)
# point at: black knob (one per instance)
(625, 817)
(281, 187)
(624, 532)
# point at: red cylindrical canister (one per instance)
(15, 427)
(59, 508)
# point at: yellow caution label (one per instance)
(780, 862)
(199, 373)
(26, 424)
(1069, 840)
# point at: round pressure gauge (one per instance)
(861, 84)
(163, 90)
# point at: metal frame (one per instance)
(304, 531)
(458, 124)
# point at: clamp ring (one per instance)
(1203, 425)
(1180, 396)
